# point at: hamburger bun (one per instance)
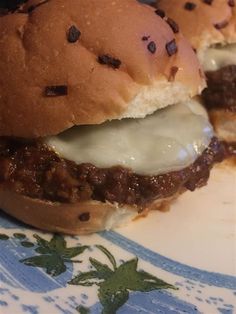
(77, 218)
(205, 23)
(36, 54)
(209, 24)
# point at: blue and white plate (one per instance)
(181, 261)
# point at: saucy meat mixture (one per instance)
(31, 168)
(221, 91)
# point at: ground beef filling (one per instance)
(221, 90)
(34, 170)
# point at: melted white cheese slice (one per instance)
(216, 58)
(170, 139)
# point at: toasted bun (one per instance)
(224, 123)
(66, 218)
(35, 54)
(206, 24)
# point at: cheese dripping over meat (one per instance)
(218, 57)
(168, 140)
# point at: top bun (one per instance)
(203, 22)
(52, 71)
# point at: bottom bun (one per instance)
(224, 123)
(79, 218)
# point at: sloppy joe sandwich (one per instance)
(210, 26)
(97, 120)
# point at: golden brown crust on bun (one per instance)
(78, 218)
(205, 22)
(65, 63)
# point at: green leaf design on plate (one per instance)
(73, 251)
(54, 255)
(108, 254)
(128, 277)
(19, 236)
(112, 301)
(27, 244)
(53, 265)
(115, 285)
(104, 271)
(3, 237)
(86, 279)
(82, 310)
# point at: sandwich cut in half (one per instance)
(210, 26)
(97, 120)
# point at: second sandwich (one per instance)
(210, 26)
